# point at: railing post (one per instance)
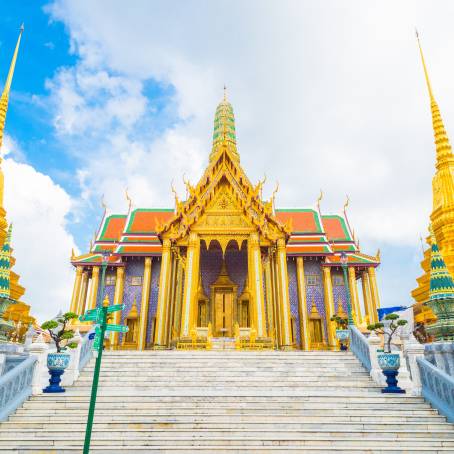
(2, 363)
(39, 349)
(375, 370)
(412, 350)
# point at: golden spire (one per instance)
(442, 145)
(6, 89)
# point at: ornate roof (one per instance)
(5, 266)
(441, 282)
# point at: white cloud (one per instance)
(38, 209)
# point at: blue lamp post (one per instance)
(343, 260)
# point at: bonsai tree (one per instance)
(388, 334)
(62, 335)
(341, 323)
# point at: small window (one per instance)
(312, 280)
(338, 281)
(136, 280)
(110, 279)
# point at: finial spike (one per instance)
(225, 92)
(426, 73)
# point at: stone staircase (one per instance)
(228, 402)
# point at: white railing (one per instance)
(360, 347)
(16, 386)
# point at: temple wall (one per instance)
(293, 294)
(339, 291)
(210, 267)
(236, 262)
(315, 292)
(154, 292)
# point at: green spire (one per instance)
(224, 130)
(441, 282)
(5, 265)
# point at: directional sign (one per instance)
(118, 328)
(96, 311)
(96, 343)
(115, 308)
(89, 317)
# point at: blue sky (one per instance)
(107, 97)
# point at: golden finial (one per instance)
(320, 197)
(72, 254)
(426, 73)
(103, 203)
(378, 254)
(225, 92)
(422, 244)
(6, 89)
(347, 202)
(128, 198)
(105, 302)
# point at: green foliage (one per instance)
(59, 333)
(341, 323)
(379, 328)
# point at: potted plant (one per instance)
(342, 331)
(58, 361)
(388, 361)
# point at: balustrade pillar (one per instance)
(284, 299)
(146, 285)
(94, 288)
(118, 299)
(329, 306)
(76, 289)
(302, 304)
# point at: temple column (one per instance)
(118, 299)
(171, 301)
(190, 284)
(284, 299)
(275, 289)
(302, 306)
(164, 278)
(76, 289)
(329, 306)
(256, 284)
(374, 293)
(367, 297)
(354, 294)
(269, 297)
(83, 294)
(178, 296)
(146, 285)
(94, 288)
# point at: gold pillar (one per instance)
(178, 297)
(146, 285)
(190, 284)
(171, 300)
(256, 284)
(354, 295)
(83, 294)
(269, 297)
(275, 288)
(329, 306)
(284, 299)
(374, 292)
(118, 299)
(159, 339)
(367, 297)
(94, 288)
(76, 289)
(302, 306)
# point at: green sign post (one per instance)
(99, 316)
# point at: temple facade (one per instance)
(442, 216)
(225, 261)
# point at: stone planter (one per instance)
(390, 363)
(343, 335)
(56, 363)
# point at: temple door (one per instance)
(223, 306)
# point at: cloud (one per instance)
(38, 209)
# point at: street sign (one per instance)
(115, 308)
(118, 328)
(89, 317)
(96, 310)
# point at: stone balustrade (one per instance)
(441, 355)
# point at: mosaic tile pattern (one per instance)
(109, 290)
(339, 292)
(315, 292)
(154, 291)
(293, 294)
(210, 267)
(236, 262)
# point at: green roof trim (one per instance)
(106, 223)
(145, 210)
(303, 210)
(343, 225)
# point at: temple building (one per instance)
(442, 216)
(227, 263)
(15, 312)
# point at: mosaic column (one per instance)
(118, 299)
(190, 284)
(354, 295)
(83, 294)
(161, 311)
(76, 289)
(146, 285)
(284, 299)
(374, 293)
(94, 288)
(256, 284)
(302, 306)
(367, 297)
(329, 306)
(269, 297)
(171, 300)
